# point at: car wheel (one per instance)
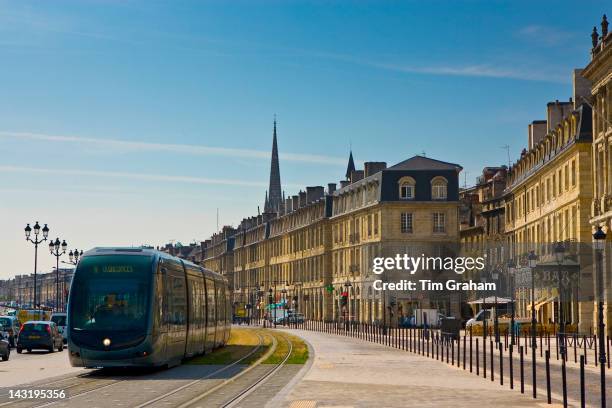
(29, 350)
(51, 349)
(61, 347)
(5, 357)
(19, 350)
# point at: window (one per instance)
(438, 188)
(406, 223)
(439, 222)
(407, 188)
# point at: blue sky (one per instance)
(130, 122)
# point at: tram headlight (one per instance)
(106, 342)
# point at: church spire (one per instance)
(274, 195)
(351, 166)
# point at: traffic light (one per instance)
(344, 299)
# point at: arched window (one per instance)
(407, 187)
(439, 188)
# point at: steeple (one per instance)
(351, 166)
(274, 195)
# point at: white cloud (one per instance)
(126, 145)
(545, 35)
(131, 176)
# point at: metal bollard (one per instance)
(477, 359)
(548, 396)
(492, 359)
(522, 370)
(582, 394)
(511, 367)
(501, 366)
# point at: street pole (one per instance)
(599, 238)
(36, 241)
(54, 248)
(532, 265)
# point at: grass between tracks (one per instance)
(241, 342)
(299, 353)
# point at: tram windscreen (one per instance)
(110, 293)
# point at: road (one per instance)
(36, 366)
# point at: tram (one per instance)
(138, 307)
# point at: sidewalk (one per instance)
(348, 372)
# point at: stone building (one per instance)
(21, 288)
(313, 251)
(548, 200)
(599, 73)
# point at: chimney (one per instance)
(556, 111)
(288, 205)
(581, 88)
(302, 199)
(536, 131)
(259, 219)
(267, 216)
(295, 202)
(373, 168)
(314, 193)
(356, 175)
(344, 183)
(331, 187)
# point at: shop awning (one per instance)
(490, 300)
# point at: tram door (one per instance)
(176, 310)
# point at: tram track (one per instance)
(173, 392)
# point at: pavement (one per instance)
(348, 372)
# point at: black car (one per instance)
(39, 335)
(5, 350)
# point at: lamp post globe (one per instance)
(36, 240)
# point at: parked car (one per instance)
(60, 320)
(5, 350)
(9, 328)
(38, 334)
(479, 318)
(295, 318)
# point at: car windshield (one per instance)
(111, 292)
(35, 327)
(59, 320)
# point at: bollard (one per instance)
(511, 366)
(501, 366)
(548, 396)
(564, 382)
(452, 342)
(470, 353)
(484, 358)
(464, 357)
(477, 359)
(582, 394)
(522, 370)
(492, 359)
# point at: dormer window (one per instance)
(439, 187)
(407, 188)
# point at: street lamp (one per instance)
(599, 242)
(45, 233)
(533, 260)
(57, 249)
(495, 276)
(74, 256)
(559, 251)
(511, 279)
(347, 285)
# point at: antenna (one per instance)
(507, 148)
(465, 179)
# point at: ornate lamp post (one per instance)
(559, 251)
(495, 276)
(511, 281)
(74, 256)
(599, 242)
(57, 249)
(45, 233)
(533, 260)
(348, 285)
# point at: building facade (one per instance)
(548, 205)
(599, 73)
